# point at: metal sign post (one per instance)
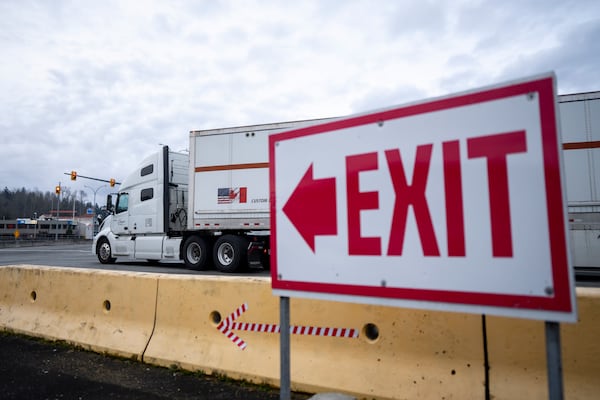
(554, 361)
(284, 338)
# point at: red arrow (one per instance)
(228, 325)
(312, 207)
(225, 326)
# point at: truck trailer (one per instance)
(579, 116)
(212, 207)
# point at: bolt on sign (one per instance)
(454, 203)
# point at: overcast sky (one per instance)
(94, 86)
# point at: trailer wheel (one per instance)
(230, 253)
(195, 253)
(104, 252)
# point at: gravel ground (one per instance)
(37, 369)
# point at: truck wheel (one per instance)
(104, 252)
(230, 253)
(195, 253)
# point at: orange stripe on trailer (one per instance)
(581, 145)
(230, 167)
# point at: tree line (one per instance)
(23, 203)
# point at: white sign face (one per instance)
(450, 204)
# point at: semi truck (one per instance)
(211, 207)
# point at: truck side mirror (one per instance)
(109, 203)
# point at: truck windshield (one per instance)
(122, 203)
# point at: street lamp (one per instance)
(56, 225)
(94, 215)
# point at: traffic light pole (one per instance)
(74, 176)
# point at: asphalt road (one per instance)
(35, 369)
(80, 255)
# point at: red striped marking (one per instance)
(224, 326)
(295, 330)
(228, 325)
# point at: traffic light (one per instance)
(112, 182)
(73, 175)
(57, 189)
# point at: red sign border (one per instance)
(559, 301)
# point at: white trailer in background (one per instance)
(580, 127)
(212, 207)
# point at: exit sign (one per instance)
(453, 203)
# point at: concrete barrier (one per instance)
(399, 353)
(517, 354)
(100, 310)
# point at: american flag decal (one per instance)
(232, 195)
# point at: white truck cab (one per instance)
(149, 214)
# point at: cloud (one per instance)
(575, 58)
(95, 86)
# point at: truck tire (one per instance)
(195, 253)
(104, 252)
(230, 253)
